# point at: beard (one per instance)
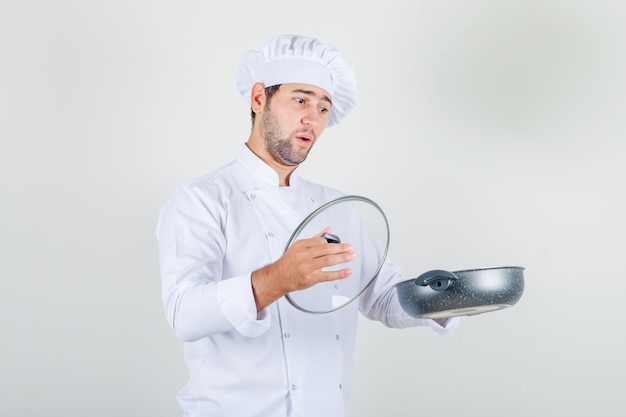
(282, 149)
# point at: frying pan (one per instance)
(439, 294)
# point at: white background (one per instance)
(491, 132)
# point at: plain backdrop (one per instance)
(491, 133)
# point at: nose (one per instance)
(311, 117)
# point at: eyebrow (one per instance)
(313, 94)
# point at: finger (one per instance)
(336, 258)
(326, 230)
(334, 275)
(316, 239)
(324, 249)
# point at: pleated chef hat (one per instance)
(297, 59)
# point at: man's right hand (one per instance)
(301, 267)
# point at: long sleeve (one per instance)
(199, 300)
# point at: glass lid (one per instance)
(352, 219)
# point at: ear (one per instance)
(257, 97)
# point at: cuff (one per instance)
(448, 326)
(236, 301)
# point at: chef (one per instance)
(224, 267)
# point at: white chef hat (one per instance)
(298, 59)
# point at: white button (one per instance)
(287, 335)
(340, 386)
(294, 387)
(337, 336)
(270, 234)
(253, 196)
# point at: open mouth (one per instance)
(304, 140)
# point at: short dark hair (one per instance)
(269, 92)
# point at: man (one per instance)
(224, 268)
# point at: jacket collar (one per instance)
(262, 172)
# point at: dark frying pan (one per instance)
(439, 294)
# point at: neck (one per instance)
(284, 171)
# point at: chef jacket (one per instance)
(212, 233)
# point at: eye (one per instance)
(323, 109)
(300, 100)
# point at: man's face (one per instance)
(292, 120)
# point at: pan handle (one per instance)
(437, 279)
